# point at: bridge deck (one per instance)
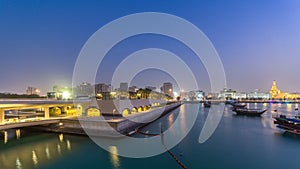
(28, 124)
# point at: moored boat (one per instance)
(248, 112)
(289, 124)
(207, 104)
(238, 105)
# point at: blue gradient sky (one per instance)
(258, 41)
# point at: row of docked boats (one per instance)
(289, 124)
(241, 109)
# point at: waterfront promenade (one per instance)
(115, 118)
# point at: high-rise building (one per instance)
(167, 88)
(124, 87)
(32, 91)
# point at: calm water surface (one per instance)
(238, 143)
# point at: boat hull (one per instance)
(246, 112)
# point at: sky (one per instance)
(257, 41)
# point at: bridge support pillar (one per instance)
(1, 116)
(47, 112)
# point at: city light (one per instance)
(66, 95)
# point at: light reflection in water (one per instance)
(114, 156)
(182, 120)
(18, 134)
(265, 105)
(279, 104)
(61, 137)
(170, 122)
(255, 105)
(18, 163)
(47, 153)
(289, 107)
(28, 156)
(34, 158)
(58, 149)
(5, 137)
(69, 145)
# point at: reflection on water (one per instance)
(18, 163)
(182, 119)
(5, 137)
(255, 105)
(265, 105)
(289, 107)
(114, 158)
(47, 152)
(28, 154)
(34, 159)
(69, 145)
(18, 134)
(236, 140)
(58, 149)
(61, 137)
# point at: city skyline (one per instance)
(256, 41)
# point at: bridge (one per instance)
(85, 108)
(28, 123)
(43, 105)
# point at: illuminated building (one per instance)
(239, 95)
(227, 94)
(167, 88)
(276, 94)
(32, 91)
(60, 92)
(274, 90)
(259, 95)
(193, 95)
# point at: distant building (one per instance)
(52, 95)
(193, 95)
(133, 89)
(227, 94)
(124, 87)
(101, 88)
(239, 95)
(151, 88)
(32, 91)
(274, 91)
(167, 88)
(84, 90)
(213, 96)
(277, 94)
(60, 92)
(258, 95)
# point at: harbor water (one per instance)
(239, 142)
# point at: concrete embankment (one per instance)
(110, 126)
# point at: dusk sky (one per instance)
(257, 41)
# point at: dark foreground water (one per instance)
(238, 143)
